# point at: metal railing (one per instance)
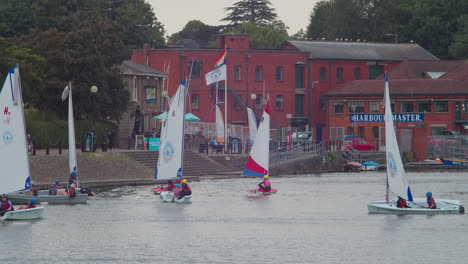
(286, 154)
(447, 147)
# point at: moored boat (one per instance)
(14, 159)
(454, 162)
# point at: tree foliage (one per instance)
(197, 31)
(459, 46)
(261, 37)
(433, 24)
(251, 11)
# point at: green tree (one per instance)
(197, 31)
(261, 37)
(19, 17)
(251, 11)
(459, 46)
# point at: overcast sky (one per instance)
(175, 14)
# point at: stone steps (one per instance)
(195, 165)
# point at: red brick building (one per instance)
(296, 75)
(428, 97)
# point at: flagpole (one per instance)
(225, 113)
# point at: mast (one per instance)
(225, 109)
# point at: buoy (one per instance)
(438, 159)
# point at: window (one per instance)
(407, 107)
(356, 107)
(196, 68)
(259, 102)
(299, 75)
(375, 132)
(339, 74)
(437, 131)
(279, 73)
(375, 71)
(373, 106)
(350, 131)
(361, 132)
(195, 102)
(424, 107)
(392, 106)
(238, 73)
(279, 102)
(338, 108)
(357, 73)
(322, 74)
(259, 73)
(238, 102)
(441, 106)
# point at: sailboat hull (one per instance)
(44, 197)
(168, 197)
(260, 191)
(417, 207)
(24, 214)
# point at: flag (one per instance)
(221, 60)
(216, 75)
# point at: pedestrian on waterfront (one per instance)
(6, 205)
(110, 137)
(431, 203)
(401, 203)
(185, 189)
(153, 133)
(265, 185)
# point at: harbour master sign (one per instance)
(381, 117)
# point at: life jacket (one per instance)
(5, 205)
(401, 203)
(431, 200)
(266, 183)
(186, 188)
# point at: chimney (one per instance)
(234, 42)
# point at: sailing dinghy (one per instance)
(397, 181)
(14, 159)
(171, 150)
(258, 161)
(43, 195)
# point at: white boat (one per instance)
(22, 197)
(397, 181)
(257, 164)
(171, 150)
(14, 159)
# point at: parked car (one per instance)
(358, 144)
(300, 137)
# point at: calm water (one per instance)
(312, 219)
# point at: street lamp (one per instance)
(94, 90)
(253, 97)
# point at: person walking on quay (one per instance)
(110, 137)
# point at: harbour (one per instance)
(312, 219)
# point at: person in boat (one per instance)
(265, 185)
(177, 190)
(401, 203)
(170, 186)
(72, 190)
(6, 205)
(72, 178)
(185, 189)
(431, 203)
(32, 204)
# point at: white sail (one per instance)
(219, 125)
(171, 148)
(258, 160)
(396, 175)
(72, 163)
(14, 160)
(252, 123)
